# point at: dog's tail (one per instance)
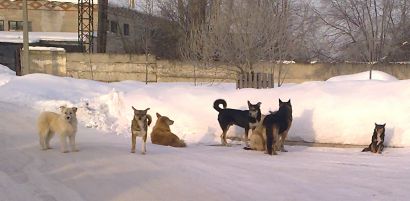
(268, 124)
(179, 143)
(248, 148)
(366, 149)
(217, 103)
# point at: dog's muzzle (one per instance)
(253, 113)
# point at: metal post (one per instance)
(26, 63)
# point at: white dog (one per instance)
(64, 124)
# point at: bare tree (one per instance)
(363, 30)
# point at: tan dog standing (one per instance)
(64, 124)
(161, 133)
(139, 127)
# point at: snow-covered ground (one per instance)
(330, 112)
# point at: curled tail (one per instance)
(217, 103)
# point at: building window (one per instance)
(1, 25)
(114, 26)
(18, 26)
(126, 29)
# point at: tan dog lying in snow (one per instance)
(161, 133)
(64, 124)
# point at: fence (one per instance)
(118, 67)
(255, 80)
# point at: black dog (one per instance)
(277, 125)
(376, 146)
(247, 119)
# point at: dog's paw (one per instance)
(64, 151)
(132, 151)
(75, 150)
(284, 150)
(143, 153)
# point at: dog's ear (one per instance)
(280, 101)
(75, 109)
(375, 124)
(259, 104)
(249, 103)
(158, 115)
(147, 109)
(133, 108)
(384, 124)
(289, 102)
(62, 108)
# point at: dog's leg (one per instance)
(276, 140)
(282, 141)
(42, 137)
(373, 147)
(133, 142)
(223, 135)
(246, 137)
(42, 142)
(63, 142)
(48, 138)
(380, 148)
(72, 143)
(144, 144)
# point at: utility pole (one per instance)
(26, 63)
(102, 26)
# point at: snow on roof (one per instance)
(53, 49)
(17, 37)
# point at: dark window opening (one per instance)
(18, 26)
(1, 25)
(114, 26)
(126, 29)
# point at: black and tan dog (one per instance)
(139, 127)
(376, 146)
(277, 125)
(247, 119)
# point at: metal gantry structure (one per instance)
(86, 24)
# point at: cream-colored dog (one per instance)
(257, 139)
(64, 124)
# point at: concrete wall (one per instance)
(297, 73)
(117, 67)
(50, 61)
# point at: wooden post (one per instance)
(270, 81)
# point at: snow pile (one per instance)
(327, 112)
(376, 75)
(6, 74)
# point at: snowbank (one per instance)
(326, 112)
(376, 75)
(6, 74)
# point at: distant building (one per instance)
(125, 31)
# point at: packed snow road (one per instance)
(104, 169)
